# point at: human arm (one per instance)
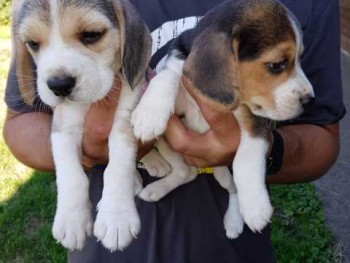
(28, 135)
(309, 150)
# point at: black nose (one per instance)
(307, 101)
(61, 86)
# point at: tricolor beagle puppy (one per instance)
(79, 49)
(243, 57)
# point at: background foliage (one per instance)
(5, 12)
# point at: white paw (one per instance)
(256, 209)
(155, 164)
(233, 220)
(154, 192)
(72, 225)
(150, 118)
(116, 226)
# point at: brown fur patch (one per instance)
(257, 82)
(74, 20)
(31, 29)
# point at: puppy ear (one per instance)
(135, 42)
(211, 67)
(22, 63)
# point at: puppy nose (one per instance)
(307, 101)
(61, 86)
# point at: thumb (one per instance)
(186, 141)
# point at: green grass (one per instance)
(27, 202)
(298, 229)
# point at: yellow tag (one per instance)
(205, 170)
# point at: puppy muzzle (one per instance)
(61, 86)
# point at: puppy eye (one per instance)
(277, 67)
(35, 46)
(91, 37)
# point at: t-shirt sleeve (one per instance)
(321, 64)
(14, 99)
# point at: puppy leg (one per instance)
(117, 221)
(249, 172)
(73, 219)
(155, 164)
(151, 116)
(181, 174)
(233, 220)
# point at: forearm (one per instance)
(28, 137)
(309, 151)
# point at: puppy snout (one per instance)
(307, 101)
(61, 86)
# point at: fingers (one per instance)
(186, 141)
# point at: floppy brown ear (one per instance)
(21, 62)
(211, 68)
(135, 42)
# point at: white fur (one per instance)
(252, 201)
(155, 164)
(151, 115)
(249, 177)
(117, 221)
(73, 219)
(181, 173)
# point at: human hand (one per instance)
(215, 147)
(98, 125)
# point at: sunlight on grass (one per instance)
(5, 32)
(12, 173)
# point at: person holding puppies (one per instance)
(186, 226)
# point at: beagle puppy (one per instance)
(242, 57)
(79, 49)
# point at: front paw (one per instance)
(72, 225)
(116, 226)
(256, 209)
(150, 118)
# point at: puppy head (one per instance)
(251, 56)
(79, 47)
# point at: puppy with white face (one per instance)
(242, 57)
(80, 48)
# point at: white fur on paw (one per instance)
(150, 118)
(256, 209)
(154, 192)
(116, 226)
(72, 225)
(155, 164)
(233, 222)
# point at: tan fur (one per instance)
(256, 82)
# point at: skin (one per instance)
(310, 150)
